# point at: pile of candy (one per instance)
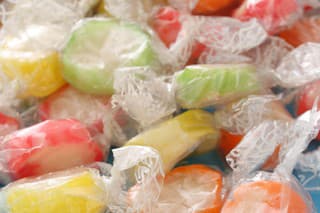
(110, 105)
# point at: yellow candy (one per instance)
(80, 192)
(38, 72)
(178, 137)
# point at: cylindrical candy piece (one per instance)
(205, 85)
(38, 72)
(179, 136)
(97, 47)
(77, 190)
(70, 103)
(47, 147)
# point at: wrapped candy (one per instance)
(41, 148)
(266, 196)
(267, 58)
(304, 30)
(76, 190)
(207, 85)
(97, 47)
(30, 40)
(193, 188)
(299, 67)
(241, 116)
(213, 39)
(273, 14)
(231, 35)
(155, 95)
(136, 179)
(265, 191)
(133, 10)
(179, 136)
(71, 103)
(94, 189)
(238, 118)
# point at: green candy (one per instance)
(205, 85)
(98, 47)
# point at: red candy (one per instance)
(8, 124)
(71, 103)
(307, 97)
(167, 25)
(273, 14)
(49, 146)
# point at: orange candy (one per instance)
(265, 197)
(195, 187)
(228, 141)
(304, 30)
(209, 7)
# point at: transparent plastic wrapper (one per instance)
(179, 136)
(241, 116)
(210, 40)
(267, 58)
(98, 47)
(271, 191)
(193, 188)
(212, 56)
(119, 126)
(137, 178)
(179, 44)
(132, 184)
(31, 37)
(144, 96)
(75, 190)
(9, 116)
(274, 15)
(299, 67)
(231, 35)
(69, 103)
(131, 10)
(35, 150)
(308, 170)
(173, 29)
(264, 52)
(306, 97)
(306, 29)
(206, 85)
